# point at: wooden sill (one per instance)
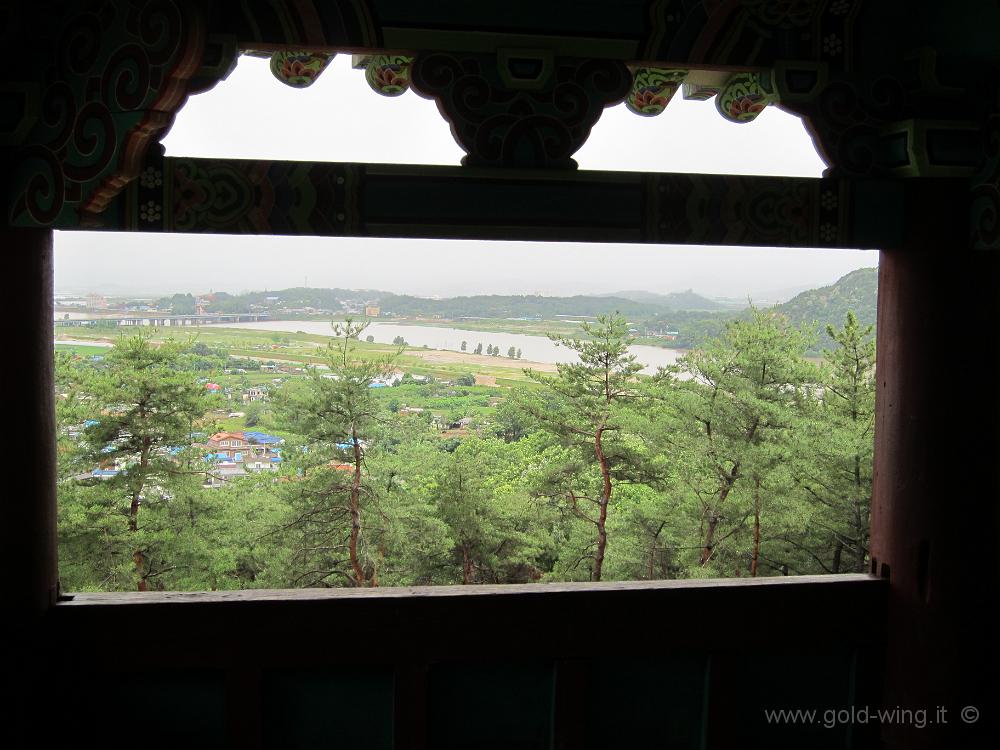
(720, 586)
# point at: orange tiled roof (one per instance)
(226, 436)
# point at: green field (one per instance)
(439, 398)
(309, 349)
(81, 349)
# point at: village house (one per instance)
(234, 454)
(390, 378)
(243, 447)
(221, 472)
(228, 443)
(254, 394)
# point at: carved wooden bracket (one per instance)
(739, 97)
(116, 75)
(520, 108)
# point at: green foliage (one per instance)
(744, 458)
(178, 304)
(496, 533)
(729, 412)
(335, 507)
(855, 293)
(585, 410)
(833, 460)
(139, 410)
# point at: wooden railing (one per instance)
(674, 664)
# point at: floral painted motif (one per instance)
(151, 177)
(751, 104)
(652, 89)
(299, 69)
(150, 211)
(389, 75)
(832, 45)
(745, 96)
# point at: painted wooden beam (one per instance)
(375, 200)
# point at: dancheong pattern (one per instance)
(240, 197)
(299, 69)
(538, 120)
(119, 73)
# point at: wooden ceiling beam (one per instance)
(230, 196)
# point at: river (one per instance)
(533, 348)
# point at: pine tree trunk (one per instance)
(602, 515)
(755, 556)
(652, 551)
(713, 519)
(838, 550)
(709, 547)
(140, 570)
(861, 532)
(359, 573)
(138, 557)
(466, 565)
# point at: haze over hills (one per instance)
(824, 306)
(475, 306)
(856, 291)
(686, 300)
(681, 319)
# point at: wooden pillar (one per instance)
(936, 496)
(28, 536)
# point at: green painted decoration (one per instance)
(299, 69)
(389, 75)
(745, 95)
(652, 89)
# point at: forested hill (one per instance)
(829, 304)
(478, 306)
(687, 300)
(516, 306)
(826, 305)
(691, 317)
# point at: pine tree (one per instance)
(140, 410)
(498, 534)
(584, 409)
(834, 465)
(728, 413)
(338, 415)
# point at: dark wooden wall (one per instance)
(664, 664)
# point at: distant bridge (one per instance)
(163, 321)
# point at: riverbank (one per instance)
(533, 349)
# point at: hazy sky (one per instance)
(339, 118)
